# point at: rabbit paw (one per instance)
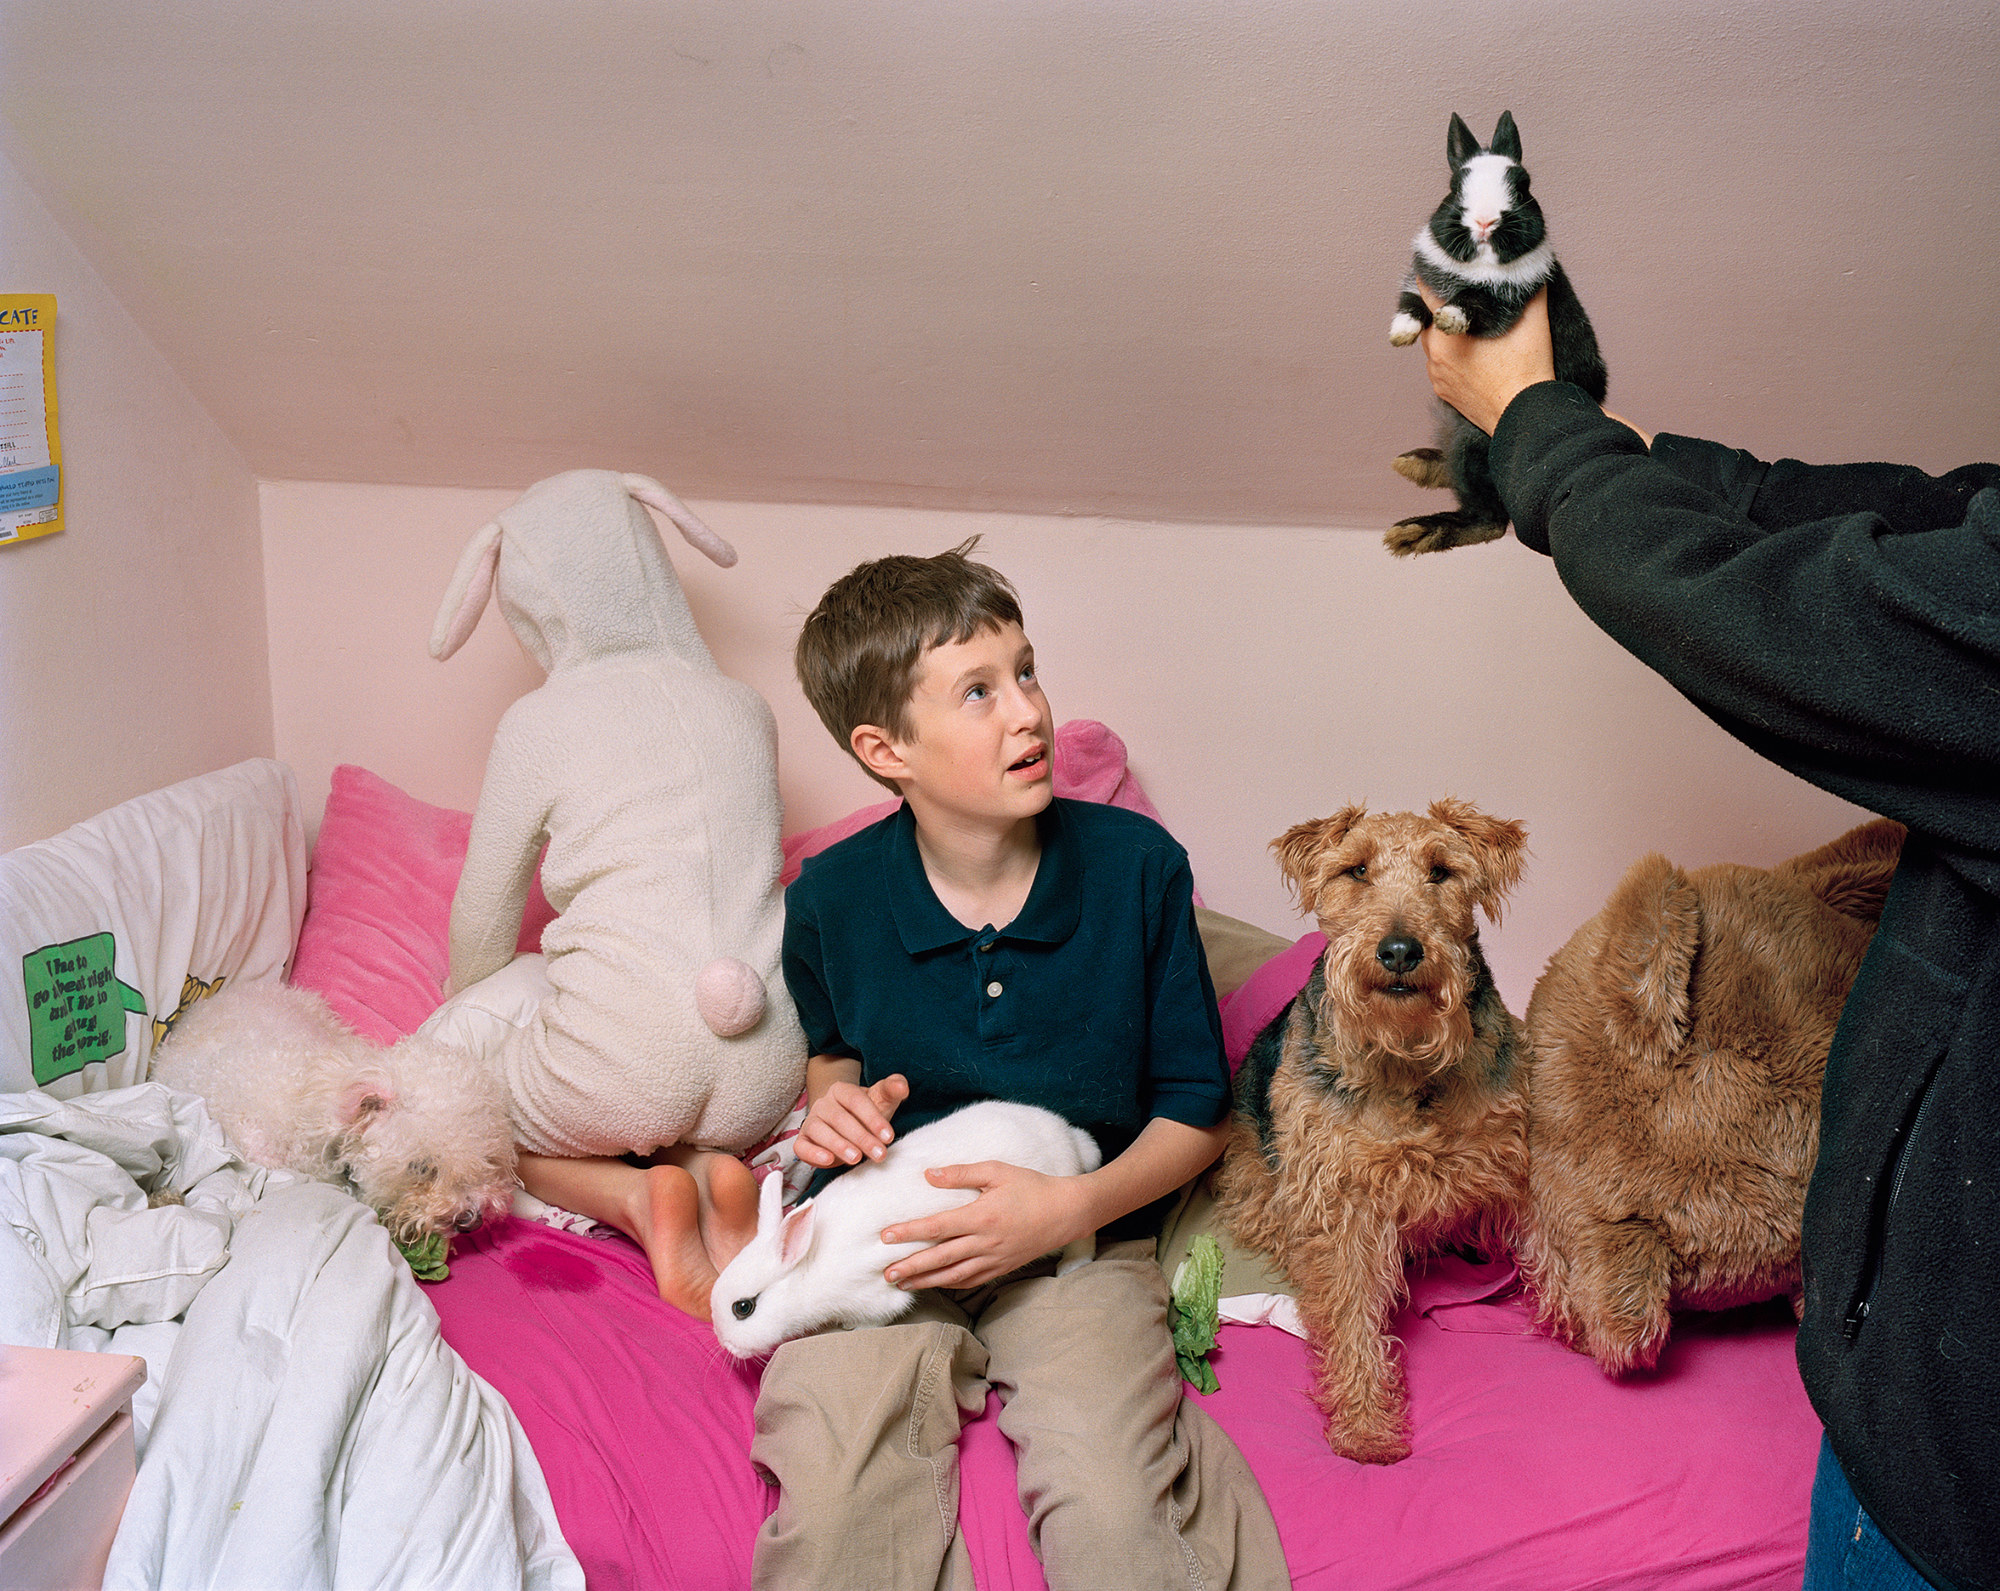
(1424, 465)
(1437, 532)
(1404, 330)
(1453, 320)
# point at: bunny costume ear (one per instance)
(699, 536)
(465, 598)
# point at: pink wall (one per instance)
(1260, 676)
(132, 644)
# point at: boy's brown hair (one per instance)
(860, 650)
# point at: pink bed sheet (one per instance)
(1531, 1470)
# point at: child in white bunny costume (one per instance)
(652, 777)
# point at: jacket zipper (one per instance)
(1857, 1312)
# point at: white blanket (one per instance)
(304, 1424)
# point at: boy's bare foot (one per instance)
(667, 1222)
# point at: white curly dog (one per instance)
(417, 1131)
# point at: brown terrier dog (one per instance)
(1382, 1113)
(1679, 1039)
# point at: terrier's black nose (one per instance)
(1399, 953)
(467, 1222)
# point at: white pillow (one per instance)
(107, 929)
(484, 1017)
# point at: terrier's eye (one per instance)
(1439, 873)
(1359, 872)
(743, 1308)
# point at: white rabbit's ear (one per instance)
(465, 598)
(699, 536)
(795, 1235)
(770, 1203)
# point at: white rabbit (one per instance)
(821, 1264)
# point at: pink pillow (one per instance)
(376, 941)
(1269, 989)
(1090, 766)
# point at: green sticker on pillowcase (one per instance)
(76, 1005)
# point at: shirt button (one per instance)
(993, 988)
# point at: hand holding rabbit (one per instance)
(1480, 376)
(822, 1263)
(1018, 1215)
(977, 1242)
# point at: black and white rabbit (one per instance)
(1484, 252)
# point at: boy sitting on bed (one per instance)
(990, 941)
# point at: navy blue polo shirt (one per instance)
(1095, 1002)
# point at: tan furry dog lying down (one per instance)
(417, 1131)
(1678, 1042)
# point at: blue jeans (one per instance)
(1844, 1550)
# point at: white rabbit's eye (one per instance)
(743, 1308)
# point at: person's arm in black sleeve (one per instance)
(1788, 492)
(1861, 653)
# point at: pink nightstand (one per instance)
(66, 1464)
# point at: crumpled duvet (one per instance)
(303, 1425)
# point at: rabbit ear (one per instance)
(770, 1203)
(795, 1235)
(465, 598)
(699, 536)
(1507, 138)
(1459, 144)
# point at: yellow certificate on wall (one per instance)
(30, 450)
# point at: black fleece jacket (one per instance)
(1844, 621)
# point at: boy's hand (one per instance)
(1019, 1216)
(848, 1122)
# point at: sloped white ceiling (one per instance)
(1071, 255)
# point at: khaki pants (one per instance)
(1123, 1483)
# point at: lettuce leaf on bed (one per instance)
(1197, 1290)
(427, 1256)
